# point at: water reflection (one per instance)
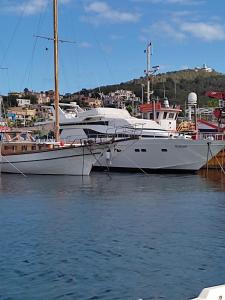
(216, 177)
(113, 182)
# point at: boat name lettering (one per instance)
(181, 146)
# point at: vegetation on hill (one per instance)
(175, 86)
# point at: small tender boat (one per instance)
(212, 293)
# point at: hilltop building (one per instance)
(84, 100)
(23, 102)
(204, 68)
(119, 98)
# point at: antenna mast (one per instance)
(1, 99)
(148, 70)
(56, 74)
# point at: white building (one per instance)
(23, 102)
(42, 98)
(204, 68)
(120, 97)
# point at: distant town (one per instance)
(28, 107)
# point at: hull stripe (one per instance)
(54, 158)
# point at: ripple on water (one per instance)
(128, 236)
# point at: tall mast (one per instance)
(56, 74)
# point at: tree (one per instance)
(26, 90)
(11, 100)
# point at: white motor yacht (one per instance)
(156, 149)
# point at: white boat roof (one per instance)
(122, 115)
(108, 111)
(212, 293)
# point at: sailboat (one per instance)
(21, 153)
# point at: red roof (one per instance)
(217, 95)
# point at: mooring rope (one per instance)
(13, 166)
(221, 167)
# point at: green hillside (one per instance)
(176, 85)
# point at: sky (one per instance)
(107, 40)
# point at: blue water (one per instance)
(124, 236)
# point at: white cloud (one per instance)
(31, 7)
(204, 31)
(177, 28)
(183, 2)
(184, 67)
(28, 8)
(101, 12)
(163, 29)
(84, 45)
(115, 37)
(180, 2)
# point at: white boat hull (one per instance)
(62, 161)
(161, 154)
(212, 293)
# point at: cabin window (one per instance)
(143, 150)
(164, 150)
(6, 148)
(151, 116)
(171, 116)
(164, 115)
(14, 148)
(118, 150)
(145, 116)
(24, 148)
(33, 148)
(157, 115)
(137, 150)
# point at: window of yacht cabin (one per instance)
(143, 150)
(157, 114)
(171, 116)
(137, 150)
(164, 115)
(151, 116)
(145, 115)
(164, 150)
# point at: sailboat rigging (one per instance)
(21, 153)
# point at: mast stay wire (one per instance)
(28, 70)
(105, 58)
(49, 38)
(75, 63)
(71, 24)
(13, 35)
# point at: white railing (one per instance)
(214, 136)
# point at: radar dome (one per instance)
(192, 99)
